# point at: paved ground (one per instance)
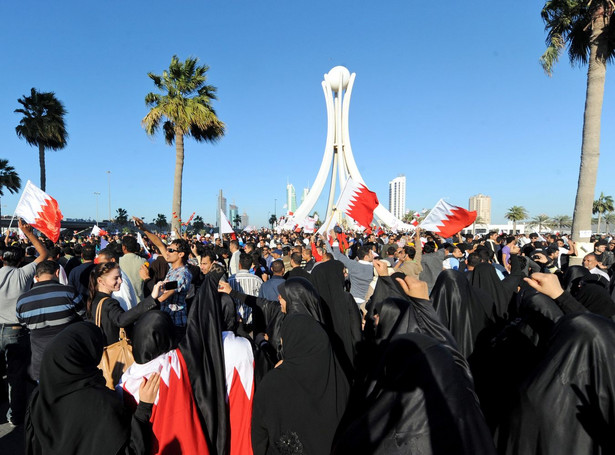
(11, 438)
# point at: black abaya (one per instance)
(567, 404)
(72, 411)
(419, 401)
(303, 399)
(462, 308)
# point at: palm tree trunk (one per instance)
(41, 161)
(514, 227)
(598, 229)
(590, 150)
(177, 186)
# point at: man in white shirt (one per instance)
(126, 296)
(591, 263)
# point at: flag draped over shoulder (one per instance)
(446, 219)
(40, 210)
(358, 202)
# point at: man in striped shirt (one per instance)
(247, 283)
(47, 309)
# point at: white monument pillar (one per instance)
(338, 161)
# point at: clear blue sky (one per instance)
(451, 94)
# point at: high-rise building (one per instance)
(245, 219)
(233, 213)
(304, 194)
(221, 206)
(397, 197)
(482, 205)
(291, 198)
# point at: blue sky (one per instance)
(450, 94)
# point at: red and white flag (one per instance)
(446, 219)
(40, 210)
(417, 215)
(225, 225)
(358, 202)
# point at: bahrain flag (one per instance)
(40, 210)
(446, 219)
(358, 202)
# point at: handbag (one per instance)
(117, 357)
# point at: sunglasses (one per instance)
(171, 250)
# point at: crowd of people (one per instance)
(300, 343)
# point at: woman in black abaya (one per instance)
(339, 307)
(299, 403)
(418, 401)
(462, 308)
(568, 403)
(73, 412)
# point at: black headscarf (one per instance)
(202, 350)
(573, 275)
(301, 298)
(462, 308)
(152, 335)
(419, 401)
(486, 278)
(568, 403)
(303, 398)
(339, 306)
(72, 411)
(592, 292)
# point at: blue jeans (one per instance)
(15, 343)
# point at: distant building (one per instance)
(397, 197)
(482, 205)
(233, 212)
(221, 206)
(291, 198)
(304, 194)
(245, 220)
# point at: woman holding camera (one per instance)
(104, 280)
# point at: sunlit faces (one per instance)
(110, 282)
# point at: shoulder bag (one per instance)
(117, 357)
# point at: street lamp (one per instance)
(109, 184)
(275, 205)
(96, 193)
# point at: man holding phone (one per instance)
(177, 280)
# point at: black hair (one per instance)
(429, 247)
(131, 244)
(409, 250)
(296, 258)
(277, 266)
(98, 271)
(47, 267)
(473, 260)
(363, 251)
(88, 253)
(110, 253)
(391, 250)
(245, 261)
(182, 246)
(12, 256)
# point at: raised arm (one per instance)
(36, 243)
(151, 236)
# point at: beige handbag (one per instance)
(117, 357)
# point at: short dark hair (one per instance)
(277, 266)
(296, 258)
(364, 251)
(47, 267)
(131, 244)
(391, 250)
(410, 251)
(30, 251)
(429, 247)
(235, 243)
(54, 252)
(109, 253)
(245, 261)
(88, 253)
(182, 246)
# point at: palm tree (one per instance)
(514, 214)
(161, 221)
(9, 178)
(601, 205)
(122, 217)
(587, 28)
(561, 221)
(541, 221)
(183, 109)
(609, 218)
(272, 220)
(42, 124)
(198, 224)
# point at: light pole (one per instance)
(275, 205)
(96, 193)
(109, 184)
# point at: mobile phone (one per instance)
(169, 285)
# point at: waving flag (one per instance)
(358, 202)
(446, 219)
(40, 210)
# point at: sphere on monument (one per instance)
(333, 77)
